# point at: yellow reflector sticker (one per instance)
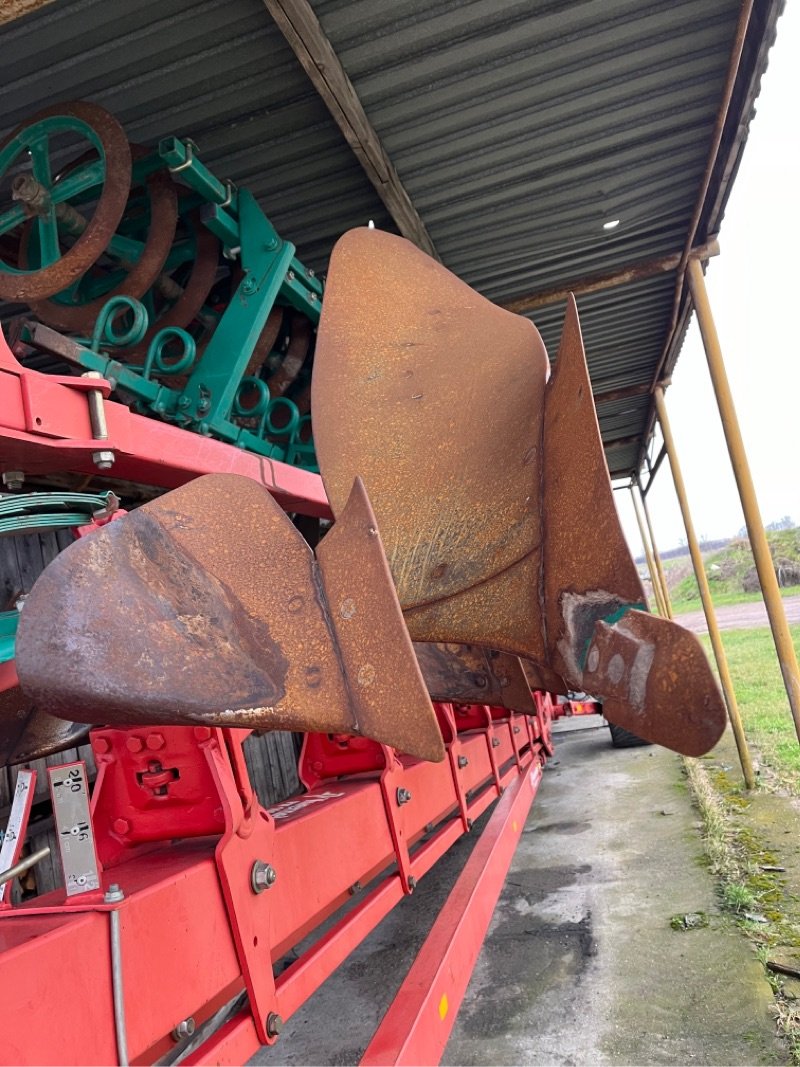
(514, 826)
(443, 1006)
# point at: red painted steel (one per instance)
(416, 1027)
(45, 429)
(181, 839)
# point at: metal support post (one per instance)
(656, 557)
(654, 579)
(705, 594)
(744, 480)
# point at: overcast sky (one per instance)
(755, 296)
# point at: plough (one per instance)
(406, 615)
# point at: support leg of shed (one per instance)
(705, 594)
(656, 557)
(744, 480)
(648, 555)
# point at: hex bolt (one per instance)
(155, 742)
(134, 744)
(495, 742)
(121, 826)
(516, 729)
(412, 883)
(103, 460)
(97, 413)
(113, 894)
(262, 876)
(274, 1024)
(185, 1028)
(13, 479)
(463, 761)
(403, 796)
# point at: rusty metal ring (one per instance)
(195, 293)
(163, 197)
(292, 363)
(110, 206)
(265, 343)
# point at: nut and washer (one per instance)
(262, 876)
(103, 460)
(403, 796)
(495, 742)
(463, 761)
(185, 1028)
(274, 1024)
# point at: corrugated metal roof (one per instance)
(518, 128)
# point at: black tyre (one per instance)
(621, 738)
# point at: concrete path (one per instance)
(739, 616)
(581, 965)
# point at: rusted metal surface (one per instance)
(299, 344)
(655, 681)
(163, 206)
(491, 487)
(434, 397)
(265, 343)
(514, 688)
(471, 675)
(539, 676)
(386, 688)
(206, 606)
(588, 570)
(27, 734)
(195, 292)
(108, 211)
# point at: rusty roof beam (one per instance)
(593, 283)
(15, 9)
(301, 28)
(625, 393)
(621, 442)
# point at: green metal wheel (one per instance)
(40, 195)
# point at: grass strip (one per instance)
(752, 896)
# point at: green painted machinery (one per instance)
(172, 284)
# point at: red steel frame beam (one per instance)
(45, 429)
(417, 1025)
(193, 932)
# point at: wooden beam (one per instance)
(301, 28)
(621, 442)
(635, 272)
(625, 393)
(15, 9)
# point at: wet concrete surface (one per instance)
(581, 965)
(739, 616)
